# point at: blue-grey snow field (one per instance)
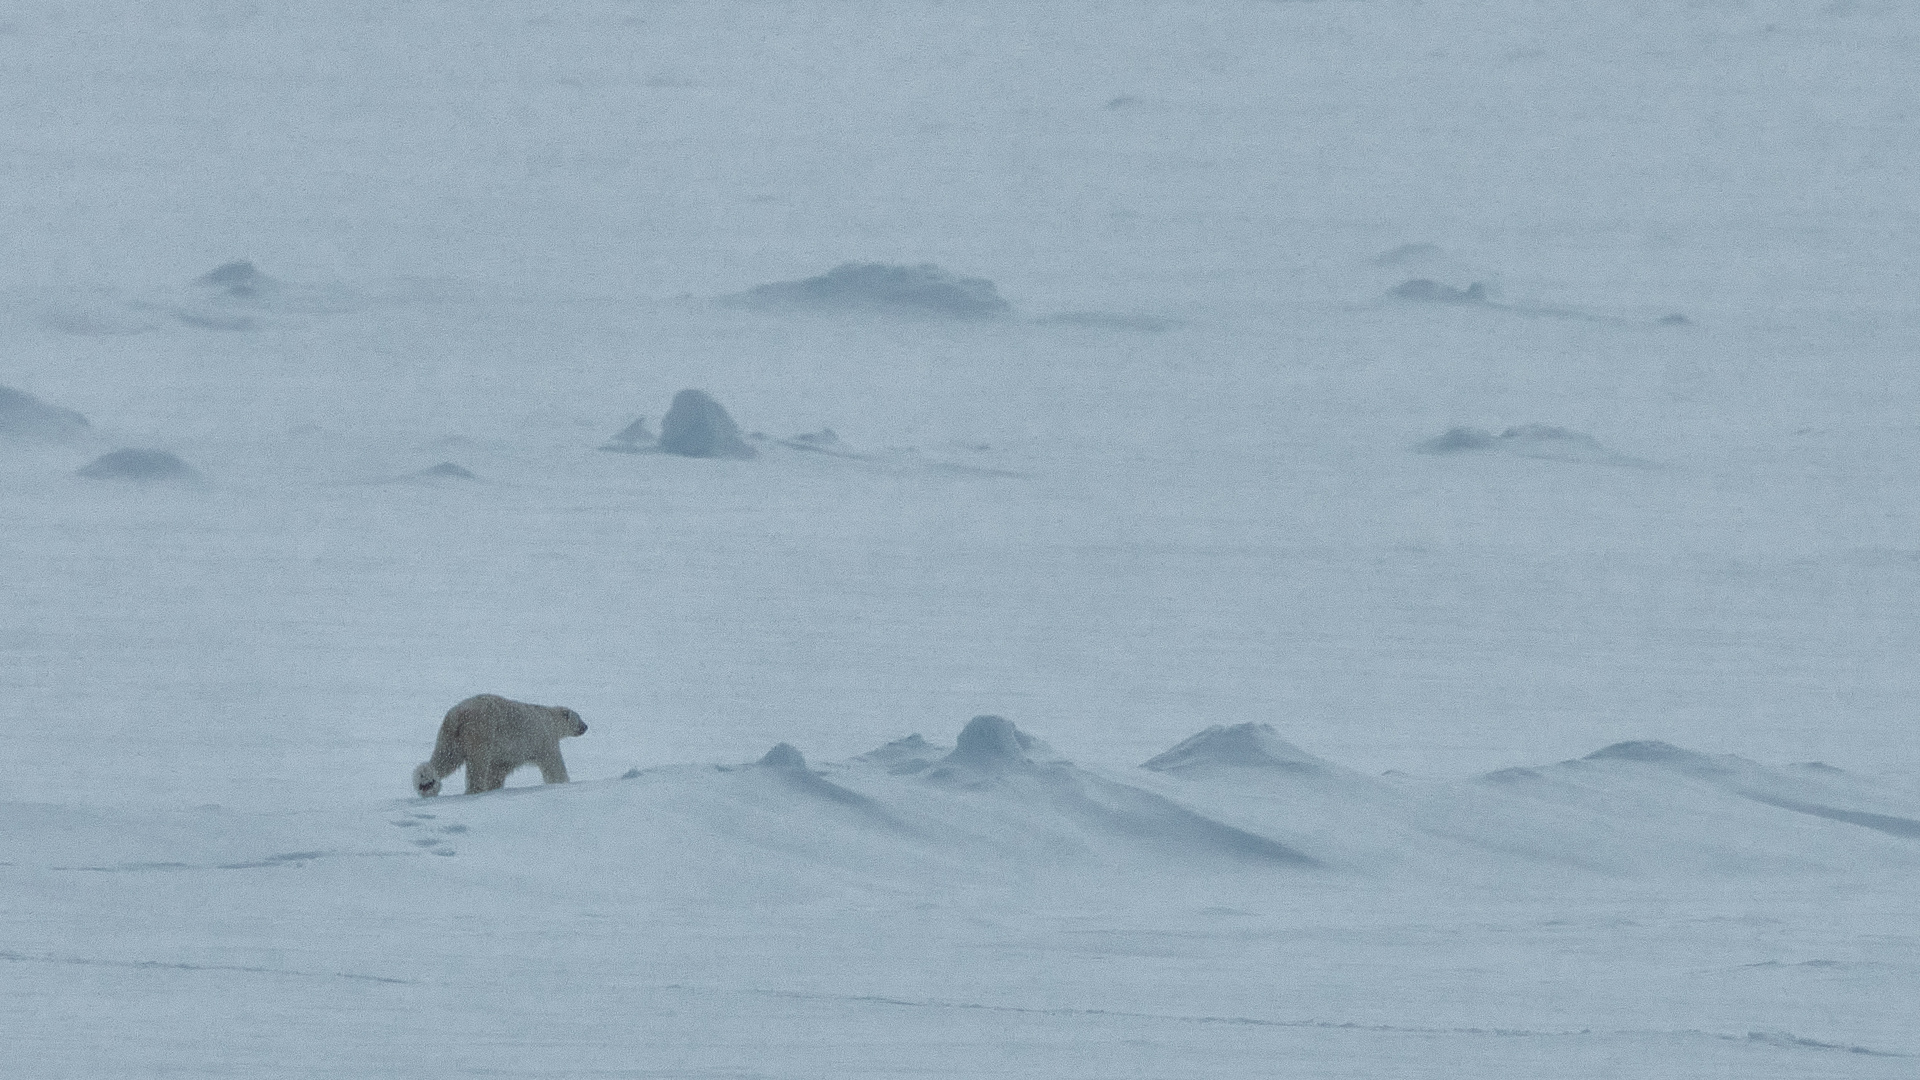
(1371, 538)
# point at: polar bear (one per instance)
(492, 736)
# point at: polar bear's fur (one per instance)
(492, 736)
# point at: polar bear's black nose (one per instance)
(583, 727)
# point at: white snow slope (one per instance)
(1450, 389)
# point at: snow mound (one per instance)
(908, 755)
(1544, 442)
(1455, 440)
(1250, 745)
(787, 763)
(446, 470)
(990, 745)
(1655, 752)
(698, 426)
(228, 297)
(1429, 291)
(25, 417)
(923, 290)
(238, 280)
(140, 467)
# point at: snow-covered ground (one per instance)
(1456, 388)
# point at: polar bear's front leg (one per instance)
(553, 770)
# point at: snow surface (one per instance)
(1524, 662)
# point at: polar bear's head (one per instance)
(424, 782)
(570, 722)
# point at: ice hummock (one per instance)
(1248, 745)
(698, 426)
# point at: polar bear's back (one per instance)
(501, 728)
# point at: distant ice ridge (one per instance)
(697, 426)
(140, 467)
(1542, 441)
(1478, 290)
(1429, 291)
(234, 296)
(881, 288)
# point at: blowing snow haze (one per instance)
(1418, 499)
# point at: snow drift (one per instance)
(882, 288)
(139, 467)
(27, 418)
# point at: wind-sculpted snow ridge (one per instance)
(1649, 808)
(1637, 809)
(1234, 798)
(1543, 442)
(635, 438)
(28, 419)
(997, 771)
(1812, 789)
(998, 801)
(881, 288)
(826, 444)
